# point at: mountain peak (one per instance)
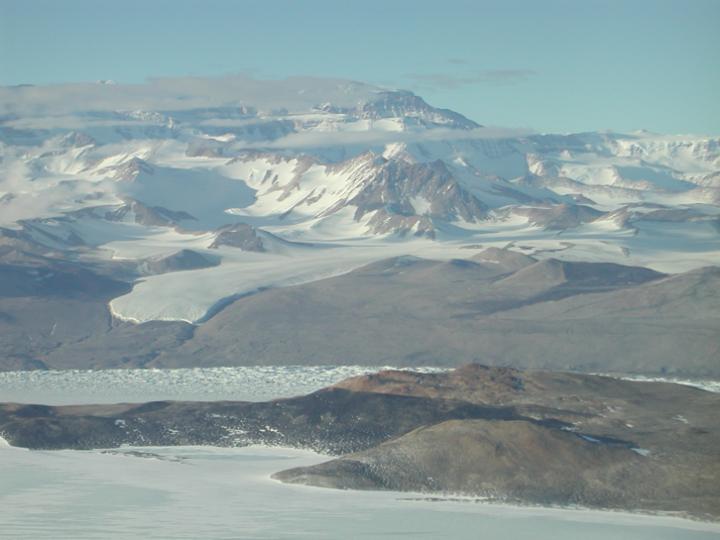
(405, 104)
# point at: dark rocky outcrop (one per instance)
(239, 235)
(54, 314)
(592, 441)
(185, 259)
(558, 217)
(334, 420)
(513, 460)
(394, 187)
(153, 216)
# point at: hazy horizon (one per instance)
(553, 67)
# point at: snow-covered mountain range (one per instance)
(208, 190)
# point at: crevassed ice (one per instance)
(246, 383)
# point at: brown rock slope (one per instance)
(588, 440)
(500, 308)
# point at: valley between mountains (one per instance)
(314, 221)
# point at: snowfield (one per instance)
(202, 492)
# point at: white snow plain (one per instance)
(227, 493)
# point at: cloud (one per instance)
(69, 121)
(97, 105)
(376, 137)
(24, 195)
(180, 93)
(489, 77)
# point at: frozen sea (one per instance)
(227, 493)
(211, 493)
(250, 383)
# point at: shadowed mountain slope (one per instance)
(500, 307)
(412, 312)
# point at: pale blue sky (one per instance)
(562, 65)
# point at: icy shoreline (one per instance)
(160, 496)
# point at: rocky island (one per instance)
(533, 437)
